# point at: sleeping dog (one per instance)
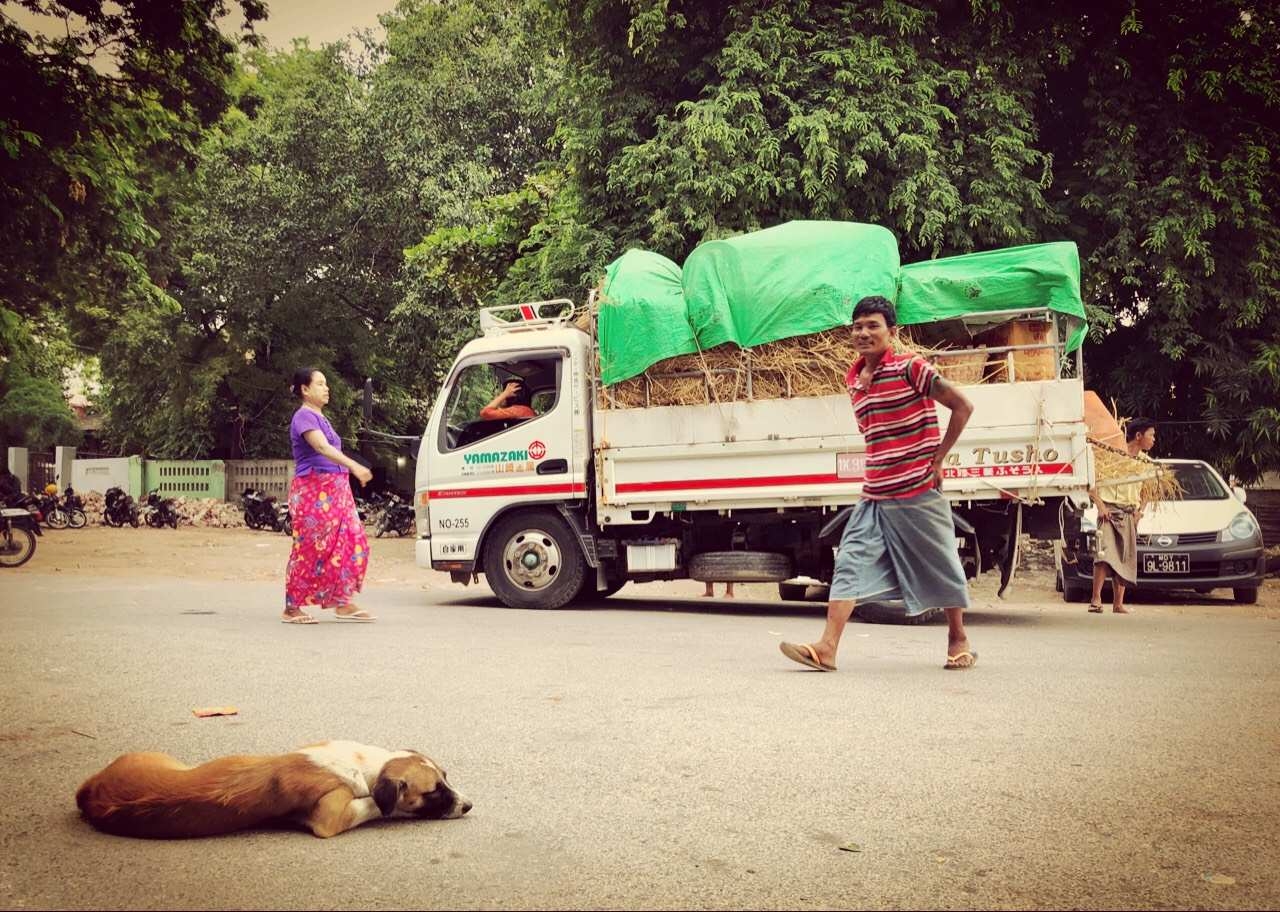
(330, 787)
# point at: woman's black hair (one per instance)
(302, 377)
(875, 304)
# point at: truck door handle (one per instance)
(553, 467)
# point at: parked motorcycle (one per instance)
(159, 512)
(51, 509)
(19, 528)
(120, 508)
(263, 512)
(398, 517)
(73, 506)
(370, 509)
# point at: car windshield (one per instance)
(1198, 482)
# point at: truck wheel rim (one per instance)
(531, 559)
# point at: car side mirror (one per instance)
(1240, 493)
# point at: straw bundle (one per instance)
(804, 366)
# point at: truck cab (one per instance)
(472, 472)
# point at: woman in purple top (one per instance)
(330, 550)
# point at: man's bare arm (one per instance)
(961, 410)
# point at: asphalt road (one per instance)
(655, 754)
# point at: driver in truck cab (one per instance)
(512, 402)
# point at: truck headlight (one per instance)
(1242, 528)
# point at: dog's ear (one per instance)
(386, 793)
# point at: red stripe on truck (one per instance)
(770, 481)
(509, 490)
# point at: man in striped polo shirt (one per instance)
(900, 540)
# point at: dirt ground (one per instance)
(242, 554)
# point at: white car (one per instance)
(1206, 540)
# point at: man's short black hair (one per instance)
(875, 304)
(522, 395)
(1137, 426)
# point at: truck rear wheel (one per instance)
(532, 560)
(740, 567)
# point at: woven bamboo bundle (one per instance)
(1112, 466)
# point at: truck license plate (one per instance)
(1166, 563)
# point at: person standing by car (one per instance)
(900, 539)
(1120, 506)
(330, 550)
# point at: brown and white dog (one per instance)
(330, 787)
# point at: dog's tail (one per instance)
(154, 796)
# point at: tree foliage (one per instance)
(356, 203)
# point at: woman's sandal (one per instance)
(1095, 609)
(357, 616)
(300, 618)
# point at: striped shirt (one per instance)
(897, 416)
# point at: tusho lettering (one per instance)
(991, 456)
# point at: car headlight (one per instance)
(1242, 528)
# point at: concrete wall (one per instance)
(197, 479)
(99, 474)
(270, 476)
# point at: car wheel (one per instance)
(533, 560)
(1246, 596)
(1075, 592)
(879, 613)
(792, 592)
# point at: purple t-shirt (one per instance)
(306, 460)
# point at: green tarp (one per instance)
(792, 280)
(805, 277)
(642, 318)
(1038, 275)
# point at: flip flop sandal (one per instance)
(355, 617)
(1095, 609)
(954, 662)
(300, 618)
(805, 655)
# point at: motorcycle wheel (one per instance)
(134, 521)
(16, 546)
(173, 521)
(250, 521)
(287, 526)
(56, 518)
(76, 519)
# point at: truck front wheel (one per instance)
(532, 560)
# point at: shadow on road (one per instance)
(742, 608)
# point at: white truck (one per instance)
(583, 498)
